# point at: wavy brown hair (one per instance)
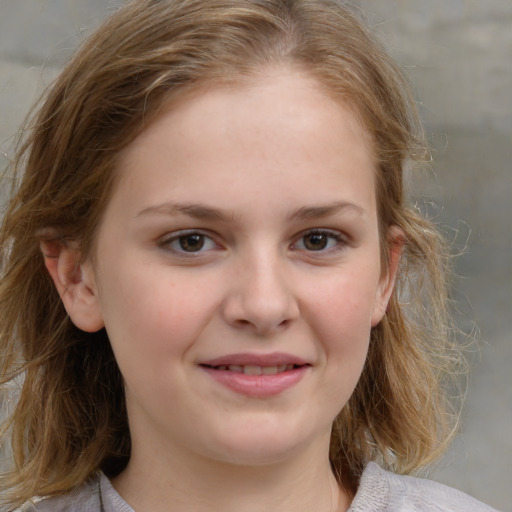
(68, 419)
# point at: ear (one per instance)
(74, 281)
(395, 244)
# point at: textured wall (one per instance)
(458, 54)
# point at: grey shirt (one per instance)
(379, 491)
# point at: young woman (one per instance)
(214, 294)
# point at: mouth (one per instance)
(257, 375)
(254, 369)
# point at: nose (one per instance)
(260, 298)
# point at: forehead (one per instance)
(280, 85)
(279, 126)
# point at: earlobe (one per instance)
(74, 281)
(396, 241)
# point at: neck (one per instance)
(302, 483)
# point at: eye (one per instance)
(188, 242)
(319, 241)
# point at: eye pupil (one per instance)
(315, 241)
(192, 243)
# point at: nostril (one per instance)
(263, 313)
(262, 327)
(243, 322)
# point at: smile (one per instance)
(257, 376)
(255, 370)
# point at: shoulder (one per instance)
(382, 491)
(96, 495)
(85, 498)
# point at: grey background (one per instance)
(458, 54)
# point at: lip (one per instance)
(252, 359)
(257, 386)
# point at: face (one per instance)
(237, 270)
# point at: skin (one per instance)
(272, 185)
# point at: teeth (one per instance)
(253, 370)
(257, 370)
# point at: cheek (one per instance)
(346, 302)
(340, 314)
(341, 319)
(151, 314)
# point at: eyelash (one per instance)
(339, 240)
(197, 236)
(179, 236)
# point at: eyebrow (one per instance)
(203, 212)
(317, 212)
(195, 210)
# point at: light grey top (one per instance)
(379, 491)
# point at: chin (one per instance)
(260, 446)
